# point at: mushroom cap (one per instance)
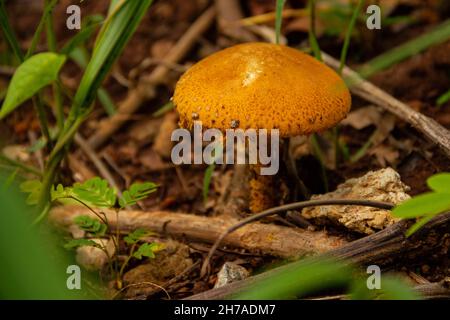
(262, 86)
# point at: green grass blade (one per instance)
(52, 46)
(37, 34)
(85, 34)
(312, 30)
(349, 33)
(113, 37)
(419, 224)
(110, 43)
(9, 33)
(207, 180)
(165, 108)
(106, 101)
(424, 204)
(299, 279)
(278, 20)
(438, 35)
(81, 57)
(443, 99)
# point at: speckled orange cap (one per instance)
(262, 86)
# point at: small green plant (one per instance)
(36, 71)
(426, 206)
(95, 193)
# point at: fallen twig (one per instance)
(368, 91)
(284, 208)
(270, 239)
(90, 153)
(381, 248)
(426, 291)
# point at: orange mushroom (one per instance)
(262, 86)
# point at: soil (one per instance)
(417, 81)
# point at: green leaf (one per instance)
(391, 289)
(33, 188)
(95, 191)
(443, 98)
(91, 225)
(299, 279)
(9, 181)
(278, 19)
(148, 250)
(81, 57)
(395, 289)
(83, 35)
(106, 101)
(38, 145)
(8, 32)
(207, 180)
(440, 182)
(348, 35)
(137, 235)
(137, 192)
(439, 34)
(419, 224)
(428, 203)
(60, 192)
(76, 243)
(114, 34)
(162, 110)
(311, 34)
(31, 76)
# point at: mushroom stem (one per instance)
(262, 195)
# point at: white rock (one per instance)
(382, 185)
(92, 258)
(229, 273)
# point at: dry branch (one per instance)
(275, 240)
(382, 248)
(368, 91)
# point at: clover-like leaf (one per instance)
(60, 192)
(76, 243)
(136, 235)
(91, 225)
(137, 192)
(96, 192)
(148, 250)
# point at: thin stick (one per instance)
(173, 280)
(257, 238)
(368, 91)
(98, 163)
(140, 284)
(287, 207)
(383, 248)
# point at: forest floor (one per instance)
(140, 149)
